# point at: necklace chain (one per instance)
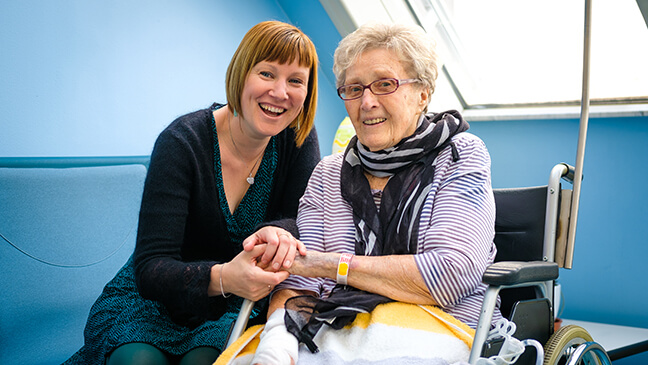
(250, 178)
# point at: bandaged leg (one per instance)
(277, 345)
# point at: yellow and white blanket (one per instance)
(394, 333)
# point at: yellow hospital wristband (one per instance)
(343, 268)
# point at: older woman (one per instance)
(405, 214)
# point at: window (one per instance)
(517, 53)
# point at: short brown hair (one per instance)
(281, 42)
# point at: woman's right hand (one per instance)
(243, 277)
(281, 247)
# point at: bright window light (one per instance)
(520, 57)
(515, 52)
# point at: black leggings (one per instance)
(145, 354)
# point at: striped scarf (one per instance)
(393, 229)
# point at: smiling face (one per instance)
(273, 96)
(381, 121)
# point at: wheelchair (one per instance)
(531, 226)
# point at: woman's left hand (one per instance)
(281, 250)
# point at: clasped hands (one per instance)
(273, 248)
(267, 256)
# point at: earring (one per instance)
(235, 113)
(301, 112)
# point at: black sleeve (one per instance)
(177, 171)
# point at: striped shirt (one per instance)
(456, 228)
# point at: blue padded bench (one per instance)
(66, 227)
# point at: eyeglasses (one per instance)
(378, 87)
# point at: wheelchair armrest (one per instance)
(519, 272)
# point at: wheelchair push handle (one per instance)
(563, 171)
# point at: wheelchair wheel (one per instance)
(563, 343)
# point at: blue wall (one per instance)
(105, 77)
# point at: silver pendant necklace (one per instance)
(250, 178)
